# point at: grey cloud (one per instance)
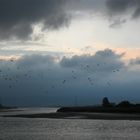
(137, 12)
(116, 11)
(105, 60)
(117, 22)
(86, 5)
(18, 17)
(117, 7)
(45, 80)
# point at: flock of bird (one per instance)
(11, 78)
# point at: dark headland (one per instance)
(107, 111)
(124, 107)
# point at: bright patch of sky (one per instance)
(83, 32)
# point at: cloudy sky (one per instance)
(67, 52)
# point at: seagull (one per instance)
(53, 86)
(12, 60)
(108, 83)
(64, 82)
(72, 71)
(89, 79)
(5, 78)
(25, 75)
(18, 68)
(74, 77)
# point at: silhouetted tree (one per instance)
(125, 104)
(105, 102)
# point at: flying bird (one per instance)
(64, 82)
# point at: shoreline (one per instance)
(9, 109)
(80, 115)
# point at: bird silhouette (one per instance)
(64, 81)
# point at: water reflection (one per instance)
(53, 129)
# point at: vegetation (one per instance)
(106, 107)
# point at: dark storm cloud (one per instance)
(86, 5)
(121, 6)
(117, 6)
(46, 80)
(117, 12)
(18, 16)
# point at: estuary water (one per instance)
(66, 129)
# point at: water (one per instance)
(67, 129)
(29, 111)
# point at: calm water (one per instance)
(54, 129)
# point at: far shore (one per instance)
(9, 109)
(80, 115)
(107, 111)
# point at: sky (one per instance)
(69, 52)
